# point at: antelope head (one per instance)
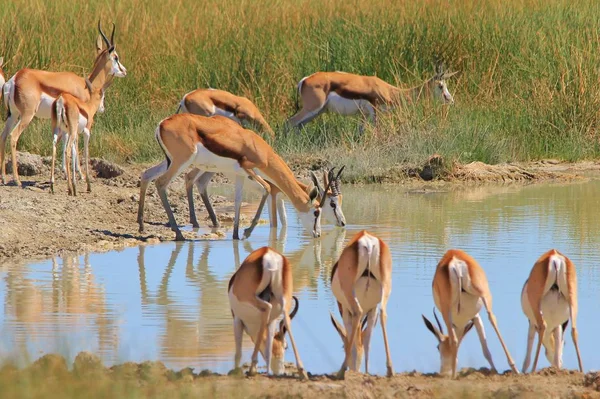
(332, 210)
(107, 53)
(312, 222)
(439, 87)
(445, 343)
(280, 344)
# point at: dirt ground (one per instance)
(50, 377)
(37, 224)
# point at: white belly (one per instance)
(206, 160)
(555, 309)
(44, 109)
(367, 298)
(470, 305)
(344, 106)
(227, 114)
(251, 316)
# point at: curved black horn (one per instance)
(296, 307)
(112, 36)
(103, 35)
(330, 178)
(316, 182)
(438, 321)
(336, 184)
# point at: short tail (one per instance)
(6, 94)
(369, 255)
(162, 146)
(459, 278)
(299, 93)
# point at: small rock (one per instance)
(27, 164)
(105, 169)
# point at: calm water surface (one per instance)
(169, 302)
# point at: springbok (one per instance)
(549, 300)
(210, 102)
(361, 280)
(217, 144)
(31, 92)
(347, 94)
(260, 296)
(460, 288)
(71, 116)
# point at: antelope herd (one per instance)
(210, 131)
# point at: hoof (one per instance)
(179, 237)
(303, 375)
(252, 371)
(390, 372)
(341, 374)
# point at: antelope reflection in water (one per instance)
(43, 309)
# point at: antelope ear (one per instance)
(314, 193)
(338, 327)
(432, 328)
(99, 44)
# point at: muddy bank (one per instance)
(37, 224)
(50, 377)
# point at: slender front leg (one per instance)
(265, 309)
(190, 179)
(11, 124)
(558, 346)
(483, 340)
(371, 319)
(261, 205)
(356, 314)
(239, 187)
(390, 367)
(202, 185)
(530, 337)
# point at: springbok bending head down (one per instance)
(361, 281)
(549, 300)
(348, 94)
(460, 289)
(260, 296)
(217, 144)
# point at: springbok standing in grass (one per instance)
(361, 280)
(70, 116)
(31, 92)
(210, 102)
(348, 94)
(260, 296)
(549, 300)
(460, 288)
(218, 144)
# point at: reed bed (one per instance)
(527, 87)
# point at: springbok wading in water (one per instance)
(30, 93)
(71, 116)
(348, 94)
(549, 300)
(460, 289)
(217, 144)
(260, 296)
(361, 281)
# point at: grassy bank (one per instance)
(527, 88)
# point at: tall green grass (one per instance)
(527, 88)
